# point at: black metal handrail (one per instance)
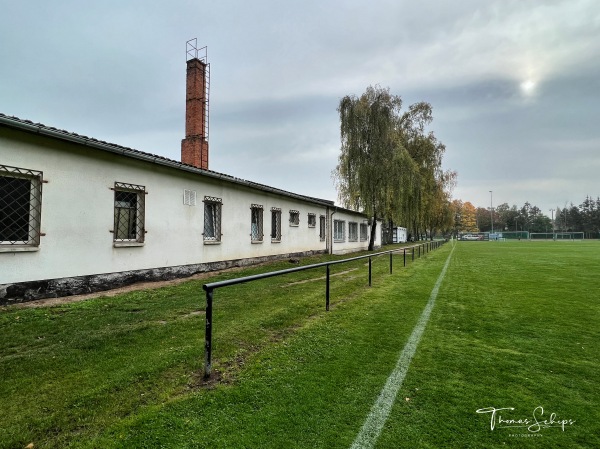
(210, 287)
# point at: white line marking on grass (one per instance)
(380, 411)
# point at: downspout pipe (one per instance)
(330, 233)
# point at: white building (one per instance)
(79, 215)
(399, 235)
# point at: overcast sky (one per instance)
(514, 85)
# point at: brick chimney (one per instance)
(194, 148)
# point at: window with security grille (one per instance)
(312, 220)
(20, 206)
(256, 223)
(212, 219)
(294, 218)
(322, 227)
(275, 224)
(129, 223)
(363, 232)
(339, 234)
(352, 232)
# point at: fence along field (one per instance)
(514, 325)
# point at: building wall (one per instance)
(346, 245)
(78, 214)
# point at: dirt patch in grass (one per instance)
(320, 278)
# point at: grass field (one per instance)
(515, 325)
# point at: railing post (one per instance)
(413, 253)
(208, 335)
(369, 271)
(419, 251)
(404, 251)
(391, 263)
(327, 289)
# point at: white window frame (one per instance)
(364, 235)
(322, 228)
(135, 233)
(275, 225)
(294, 218)
(212, 220)
(256, 223)
(353, 231)
(339, 231)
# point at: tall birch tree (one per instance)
(389, 165)
(375, 173)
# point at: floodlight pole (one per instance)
(552, 211)
(492, 210)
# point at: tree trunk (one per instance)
(373, 229)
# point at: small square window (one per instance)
(294, 218)
(189, 197)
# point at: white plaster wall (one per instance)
(78, 211)
(347, 246)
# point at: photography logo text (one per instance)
(538, 420)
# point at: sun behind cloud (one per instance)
(528, 87)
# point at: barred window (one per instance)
(129, 223)
(20, 206)
(339, 231)
(352, 232)
(256, 223)
(363, 232)
(275, 224)
(294, 218)
(212, 219)
(322, 227)
(312, 220)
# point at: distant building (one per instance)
(399, 235)
(79, 215)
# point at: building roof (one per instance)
(61, 134)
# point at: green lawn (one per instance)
(516, 324)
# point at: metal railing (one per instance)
(422, 249)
